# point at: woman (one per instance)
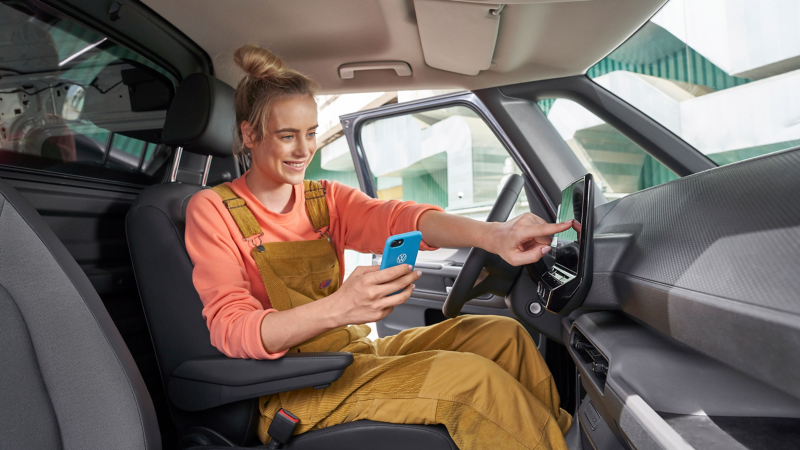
(267, 249)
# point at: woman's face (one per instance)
(285, 151)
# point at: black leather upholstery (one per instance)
(201, 121)
(369, 435)
(201, 117)
(155, 226)
(200, 384)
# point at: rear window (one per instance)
(75, 103)
(724, 76)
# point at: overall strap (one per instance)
(241, 214)
(316, 206)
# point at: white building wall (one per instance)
(754, 114)
(758, 113)
(739, 36)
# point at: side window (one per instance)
(619, 166)
(724, 76)
(73, 102)
(447, 157)
(332, 161)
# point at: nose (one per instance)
(306, 147)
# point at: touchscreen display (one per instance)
(566, 245)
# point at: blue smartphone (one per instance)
(401, 249)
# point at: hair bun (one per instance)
(258, 62)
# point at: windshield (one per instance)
(722, 75)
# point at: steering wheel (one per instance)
(498, 275)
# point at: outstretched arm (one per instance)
(521, 240)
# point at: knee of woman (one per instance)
(471, 365)
(504, 326)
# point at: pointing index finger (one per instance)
(547, 229)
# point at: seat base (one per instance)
(368, 435)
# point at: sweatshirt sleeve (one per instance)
(367, 222)
(232, 314)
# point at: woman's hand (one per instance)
(523, 239)
(365, 295)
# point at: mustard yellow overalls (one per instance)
(480, 376)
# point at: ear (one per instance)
(248, 134)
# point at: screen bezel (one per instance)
(554, 244)
(569, 296)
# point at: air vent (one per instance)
(593, 360)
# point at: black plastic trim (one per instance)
(43, 176)
(141, 30)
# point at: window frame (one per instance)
(141, 30)
(662, 144)
(353, 124)
(115, 35)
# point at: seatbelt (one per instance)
(282, 428)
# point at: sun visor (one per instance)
(456, 36)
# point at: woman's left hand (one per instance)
(523, 239)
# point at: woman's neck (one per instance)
(275, 196)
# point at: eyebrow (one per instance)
(293, 130)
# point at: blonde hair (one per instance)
(266, 80)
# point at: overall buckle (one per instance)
(238, 205)
(255, 241)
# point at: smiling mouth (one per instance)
(296, 165)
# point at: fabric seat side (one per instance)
(97, 393)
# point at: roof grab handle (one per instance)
(348, 71)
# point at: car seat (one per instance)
(213, 399)
(67, 380)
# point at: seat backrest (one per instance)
(155, 226)
(201, 120)
(67, 380)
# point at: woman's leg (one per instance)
(480, 402)
(500, 339)
(481, 405)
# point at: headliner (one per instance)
(535, 41)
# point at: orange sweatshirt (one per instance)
(225, 274)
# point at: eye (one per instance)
(288, 137)
(312, 134)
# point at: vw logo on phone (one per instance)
(402, 258)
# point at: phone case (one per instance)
(405, 253)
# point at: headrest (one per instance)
(201, 118)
